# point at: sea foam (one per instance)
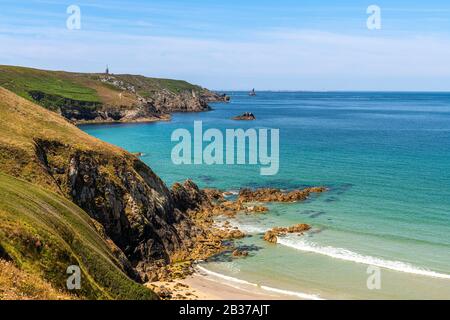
(348, 255)
(229, 279)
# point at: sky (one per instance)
(321, 45)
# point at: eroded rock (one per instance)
(272, 235)
(276, 195)
(247, 116)
(237, 253)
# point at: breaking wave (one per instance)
(347, 255)
(229, 279)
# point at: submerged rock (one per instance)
(276, 195)
(239, 253)
(247, 116)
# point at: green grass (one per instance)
(44, 234)
(146, 87)
(32, 214)
(16, 284)
(60, 89)
(22, 81)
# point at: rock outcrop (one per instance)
(276, 195)
(272, 235)
(147, 223)
(247, 116)
(132, 204)
(99, 98)
(209, 96)
(156, 107)
(153, 230)
(238, 253)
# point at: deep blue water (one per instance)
(385, 158)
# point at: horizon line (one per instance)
(333, 91)
(240, 90)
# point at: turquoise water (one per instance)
(385, 158)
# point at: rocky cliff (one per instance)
(135, 210)
(96, 98)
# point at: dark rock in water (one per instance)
(224, 97)
(247, 116)
(342, 188)
(317, 214)
(312, 213)
(276, 195)
(206, 178)
(331, 199)
(239, 253)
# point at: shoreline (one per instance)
(202, 287)
(207, 285)
(134, 121)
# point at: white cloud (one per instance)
(279, 59)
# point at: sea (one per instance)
(381, 231)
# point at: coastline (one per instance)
(204, 284)
(165, 118)
(200, 286)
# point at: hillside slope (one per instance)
(133, 206)
(16, 284)
(44, 234)
(94, 97)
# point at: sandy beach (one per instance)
(200, 286)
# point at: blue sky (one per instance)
(275, 45)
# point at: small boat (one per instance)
(252, 93)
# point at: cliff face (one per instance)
(97, 98)
(133, 206)
(42, 234)
(122, 194)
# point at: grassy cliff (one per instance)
(95, 97)
(68, 198)
(22, 81)
(43, 234)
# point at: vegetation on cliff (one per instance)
(43, 234)
(67, 198)
(129, 205)
(96, 97)
(16, 284)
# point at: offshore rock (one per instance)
(276, 195)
